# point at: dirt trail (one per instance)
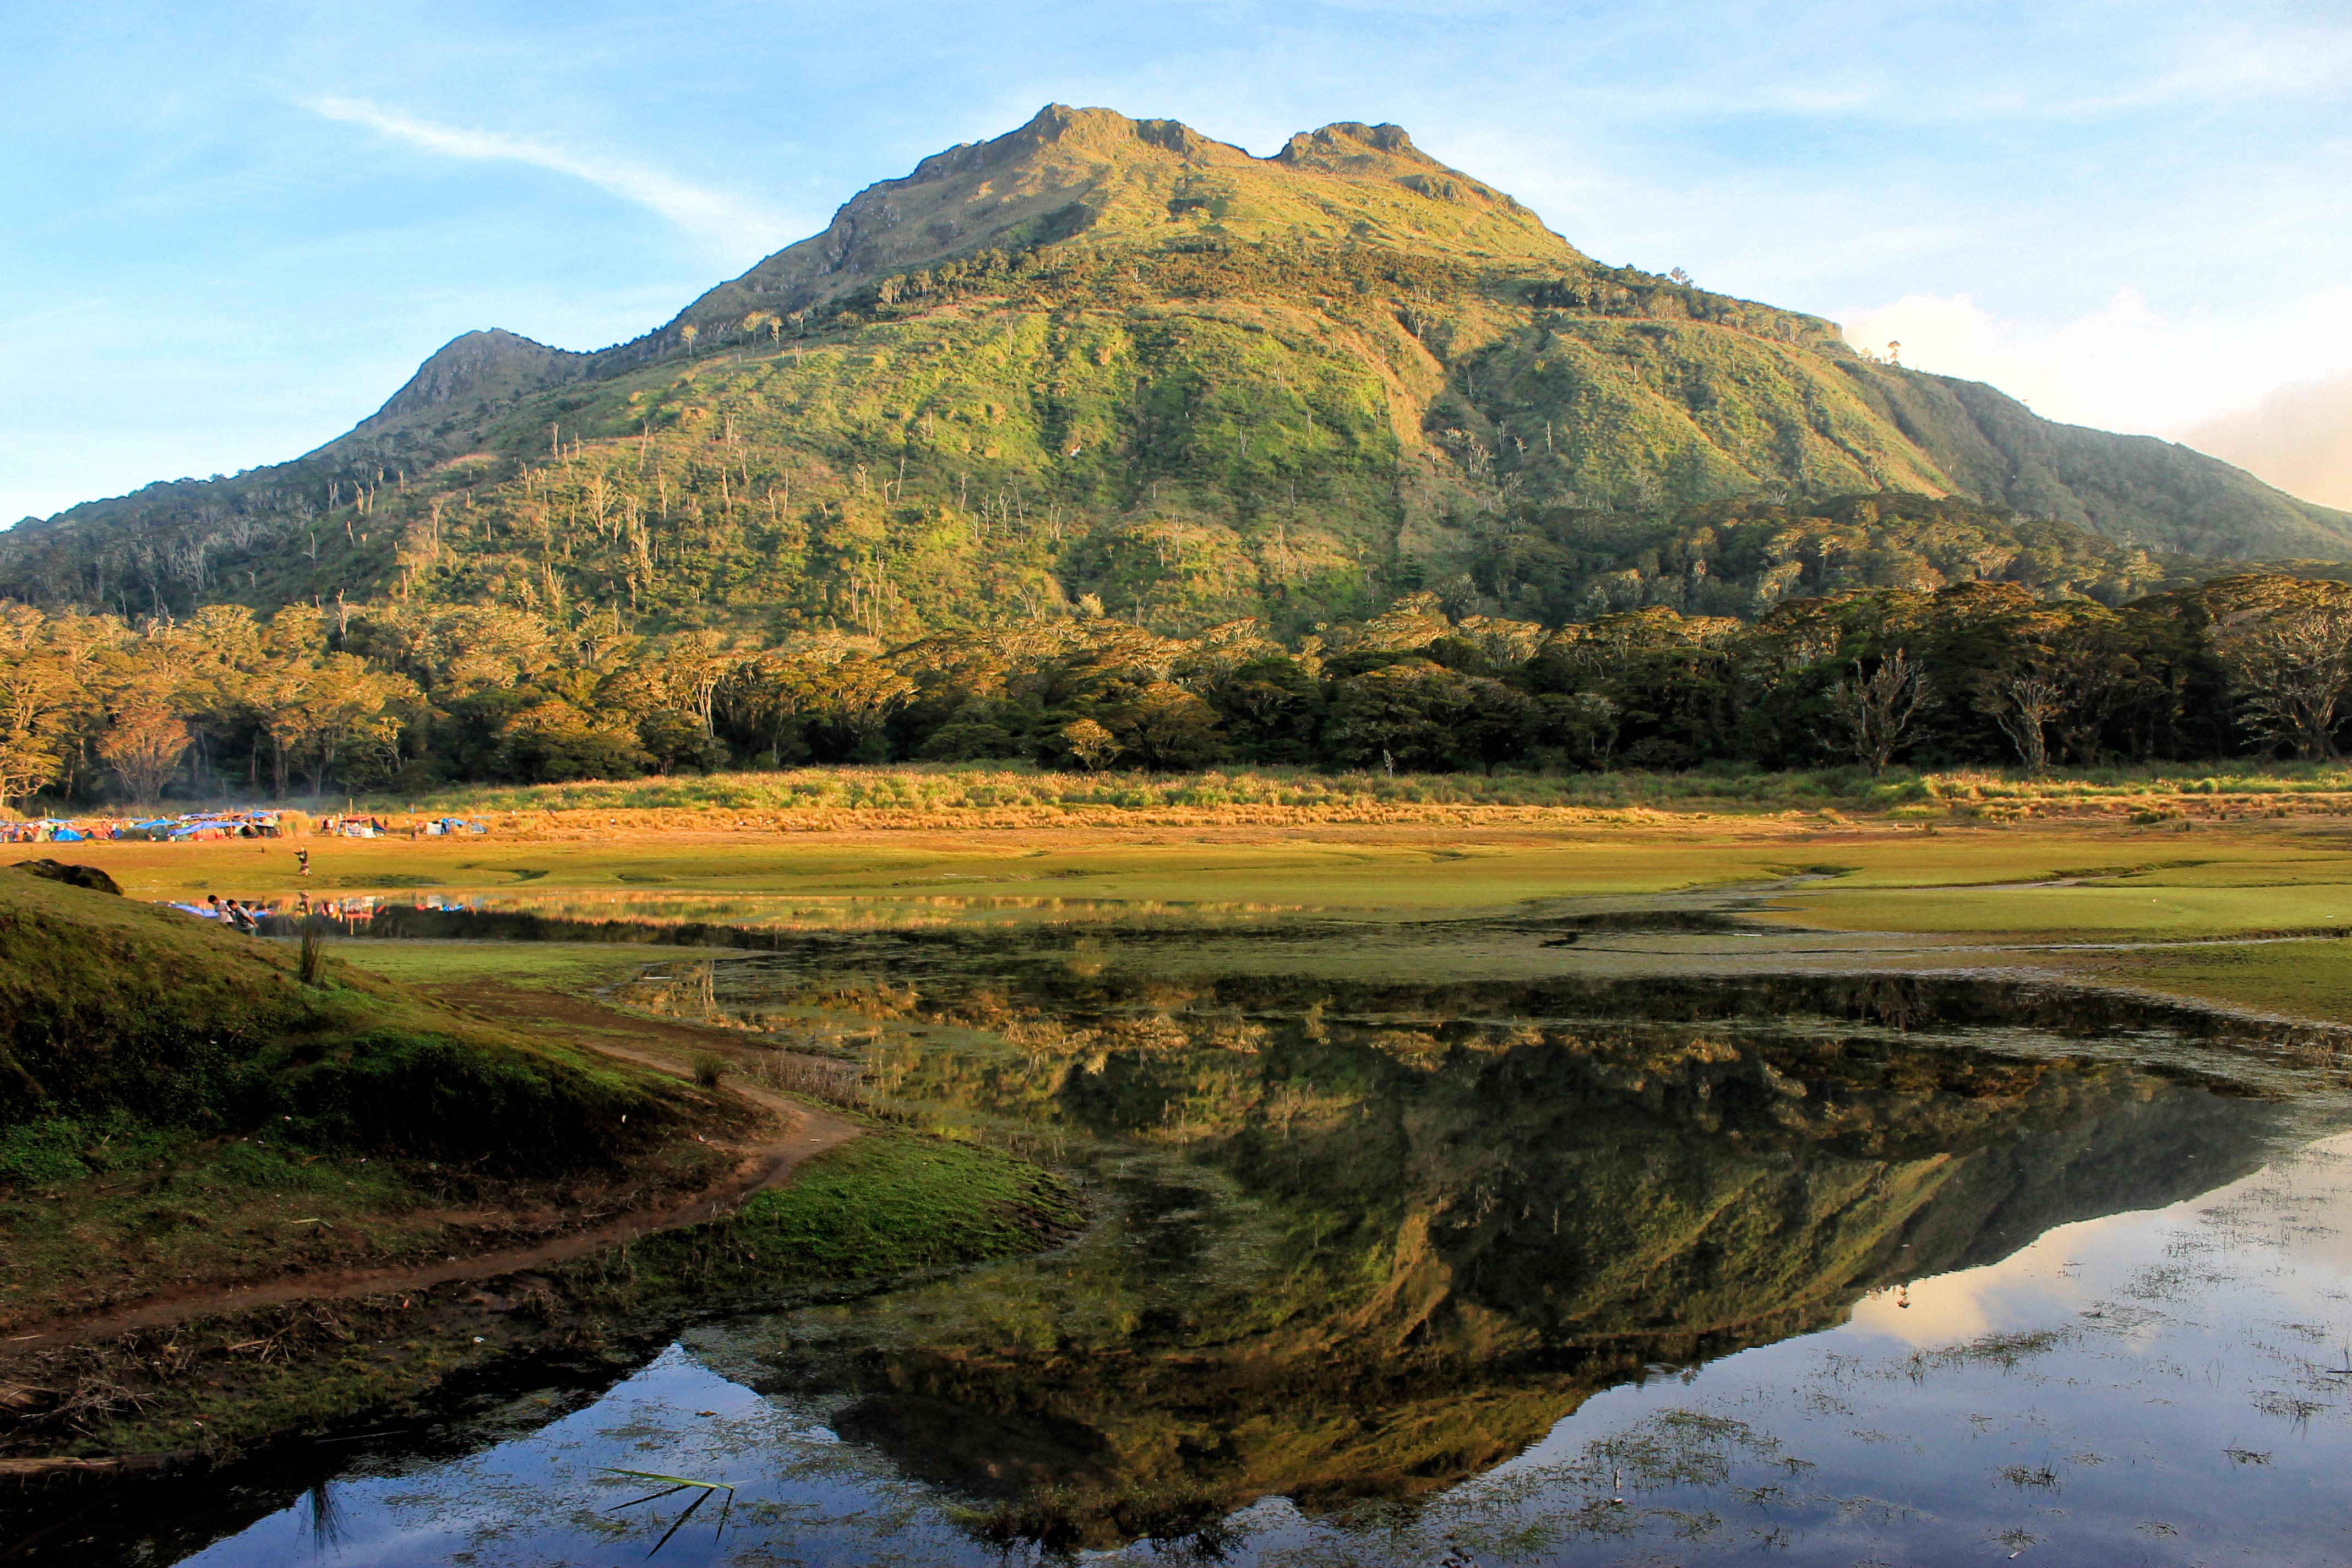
(802, 1133)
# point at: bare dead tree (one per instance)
(1879, 709)
(2024, 705)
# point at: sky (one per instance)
(229, 233)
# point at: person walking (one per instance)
(302, 860)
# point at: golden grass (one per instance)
(2026, 883)
(1009, 795)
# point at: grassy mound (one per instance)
(892, 1202)
(113, 1010)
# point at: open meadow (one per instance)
(2232, 887)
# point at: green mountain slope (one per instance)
(1108, 363)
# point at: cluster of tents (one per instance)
(187, 827)
(198, 826)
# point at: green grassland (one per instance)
(112, 1006)
(571, 968)
(180, 1108)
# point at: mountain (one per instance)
(1108, 364)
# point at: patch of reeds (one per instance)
(314, 949)
(818, 1077)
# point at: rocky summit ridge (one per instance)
(1095, 177)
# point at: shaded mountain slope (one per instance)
(1113, 358)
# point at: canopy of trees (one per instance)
(93, 707)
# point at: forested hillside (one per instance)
(1109, 359)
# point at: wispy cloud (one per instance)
(724, 220)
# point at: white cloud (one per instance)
(2299, 438)
(723, 220)
(2126, 365)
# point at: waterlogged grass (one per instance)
(888, 1204)
(568, 967)
(2296, 979)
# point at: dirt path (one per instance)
(802, 1132)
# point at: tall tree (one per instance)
(144, 747)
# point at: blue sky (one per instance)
(231, 232)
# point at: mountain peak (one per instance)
(1098, 178)
(1351, 138)
(479, 367)
(1109, 132)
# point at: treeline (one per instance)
(385, 696)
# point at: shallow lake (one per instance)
(1392, 1269)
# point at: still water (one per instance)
(1509, 1271)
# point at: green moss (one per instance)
(44, 1153)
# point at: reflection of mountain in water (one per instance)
(1400, 1251)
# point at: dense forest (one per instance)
(359, 698)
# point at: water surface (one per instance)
(1389, 1269)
